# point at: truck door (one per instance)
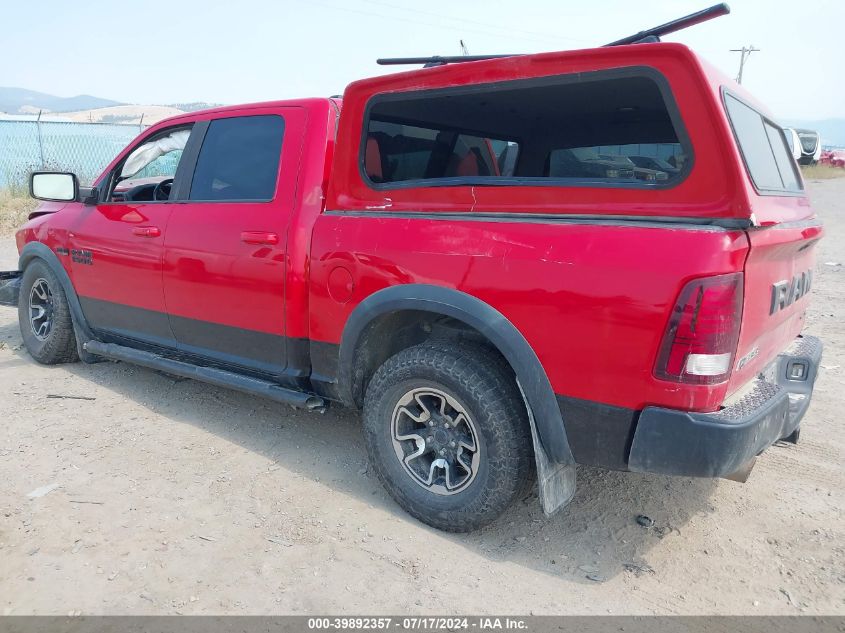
(117, 246)
(225, 248)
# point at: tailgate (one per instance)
(778, 282)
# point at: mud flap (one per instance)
(555, 480)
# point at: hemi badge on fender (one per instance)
(785, 293)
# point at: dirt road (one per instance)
(159, 495)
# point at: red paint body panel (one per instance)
(128, 266)
(210, 273)
(585, 297)
(714, 191)
(316, 160)
(778, 253)
(591, 298)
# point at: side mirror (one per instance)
(54, 186)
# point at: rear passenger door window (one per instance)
(239, 160)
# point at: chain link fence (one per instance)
(82, 148)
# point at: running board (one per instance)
(218, 377)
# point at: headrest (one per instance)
(372, 160)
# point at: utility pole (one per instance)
(745, 53)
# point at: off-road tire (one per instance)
(59, 344)
(481, 382)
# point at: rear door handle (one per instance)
(146, 231)
(259, 237)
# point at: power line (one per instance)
(745, 54)
(483, 30)
(508, 29)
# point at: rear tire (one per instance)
(448, 434)
(44, 316)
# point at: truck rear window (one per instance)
(764, 149)
(617, 128)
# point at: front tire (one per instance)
(447, 433)
(44, 316)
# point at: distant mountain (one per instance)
(23, 101)
(832, 131)
(193, 106)
(126, 114)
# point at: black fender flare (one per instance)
(37, 250)
(490, 323)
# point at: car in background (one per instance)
(653, 162)
(811, 147)
(833, 157)
(624, 164)
(584, 162)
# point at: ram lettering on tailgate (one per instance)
(785, 293)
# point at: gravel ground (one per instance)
(158, 495)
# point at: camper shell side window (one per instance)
(608, 128)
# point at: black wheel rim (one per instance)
(41, 309)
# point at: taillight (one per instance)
(700, 340)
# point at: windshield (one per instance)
(809, 140)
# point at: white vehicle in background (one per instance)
(794, 142)
(811, 147)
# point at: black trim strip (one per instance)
(257, 350)
(203, 341)
(185, 169)
(127, 321)
(712, 224)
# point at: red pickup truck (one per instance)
(471, 253)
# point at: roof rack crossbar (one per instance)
(436, 60)
(654, 35)
(649, 35)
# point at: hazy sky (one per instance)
(151, 51)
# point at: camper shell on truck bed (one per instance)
(475, 255)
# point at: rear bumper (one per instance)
(10, 287)
(718, 444)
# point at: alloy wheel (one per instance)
(436, 441)
(41, 309)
